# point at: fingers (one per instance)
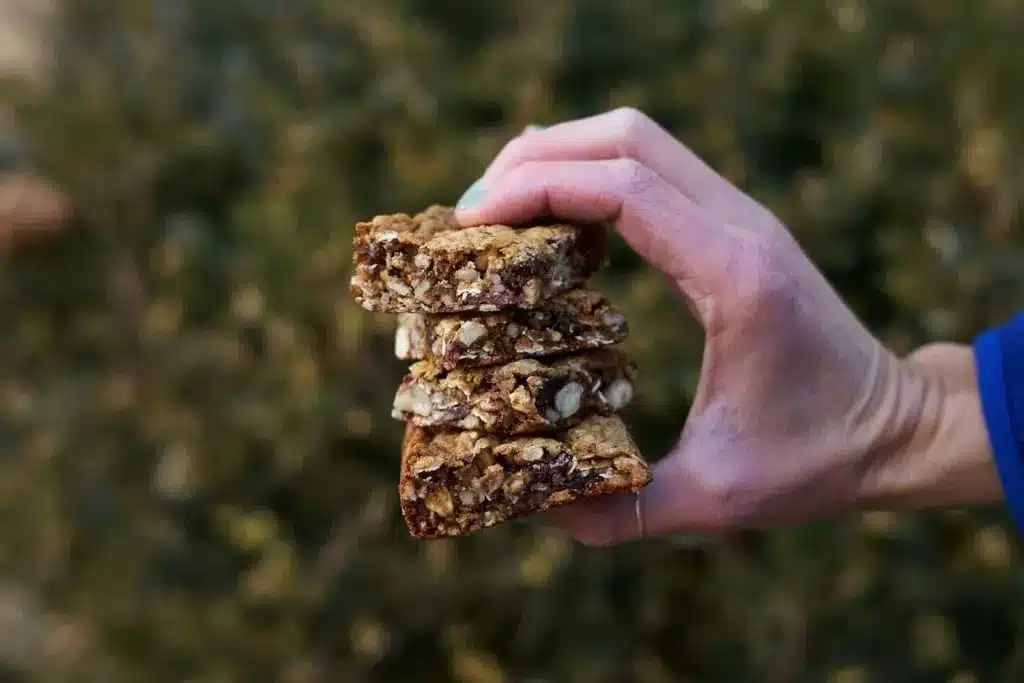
(606, 520)
(662, 225)
(671, 232)
(626, 134)
(614, 519)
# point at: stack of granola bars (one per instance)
(511, 404)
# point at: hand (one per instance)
(800, 413)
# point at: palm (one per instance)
(778, 385)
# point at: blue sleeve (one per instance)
(999, 354)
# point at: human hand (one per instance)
(800, 413)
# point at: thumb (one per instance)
(622, 517)
(662, 225)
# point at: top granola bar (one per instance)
(428, 263)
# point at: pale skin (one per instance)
(801, 414)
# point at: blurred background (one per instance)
(197, 463)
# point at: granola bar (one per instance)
(428, 263)
(574, 321)
(456, 483)
(522, 397)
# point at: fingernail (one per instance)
(533, 128)
(472, 196)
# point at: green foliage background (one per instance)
(197, 479)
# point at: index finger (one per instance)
(627, 134)
(664, 227)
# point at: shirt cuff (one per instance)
(999, 355)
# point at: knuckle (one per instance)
(515, 149)
(632, 177)
(526, 170)
(631, 126)
(631, 118)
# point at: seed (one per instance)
(569, 398)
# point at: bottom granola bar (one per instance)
(456, 483)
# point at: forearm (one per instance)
(947, 460)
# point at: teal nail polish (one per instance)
(533, 128)
(472, 196)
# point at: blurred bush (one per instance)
(198, 471)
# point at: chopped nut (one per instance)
(614, 319)
(466, 290)
(481, 417)
(471, 332)
(490, 403)
(447, 327)
(506, 451)
(471, 422)
(467, 497)
(521, 400)
(585, 455)
(427, 464)
(481, 445)
(387, 236)
(467, 274)
(492, 479)
(413, 399)
(619, 394)
(422, 261)
(512, 330)
(624, 463)
(423, 287)
(439, 501)
(560, 497)
(531, 292)
(568, 399)
(533, 453)
(402, 343)
(399, 288)
(515, 484)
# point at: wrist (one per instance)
(936, 452)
